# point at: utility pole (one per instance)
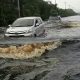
(56, 9)
(18, 8)
(55, 2)
(69, 6)
(65, 5)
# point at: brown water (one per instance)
(27, 50)
(62, 63)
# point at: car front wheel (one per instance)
(35, 35)
(5, 36)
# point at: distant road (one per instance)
(71, 18)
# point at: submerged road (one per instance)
(51, 33)
(62, 63)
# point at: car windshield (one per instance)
(23, 23)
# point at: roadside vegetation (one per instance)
(9, 10)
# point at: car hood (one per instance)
(18, 29)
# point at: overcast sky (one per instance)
(74, 4)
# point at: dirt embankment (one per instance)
(27, 51)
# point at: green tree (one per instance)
(9, 10)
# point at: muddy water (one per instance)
(28, 50)
(31, 69)
(62, 63)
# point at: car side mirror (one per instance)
(37, 24)
(9, 25)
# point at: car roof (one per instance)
(28, 17)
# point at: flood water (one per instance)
(62, 63)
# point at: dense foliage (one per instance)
(9, 10)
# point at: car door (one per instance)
(37, 27)
(41, 26)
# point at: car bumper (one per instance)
(28, 34)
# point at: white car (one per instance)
(26, 26)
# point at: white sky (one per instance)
(74, 4)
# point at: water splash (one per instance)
(27, 50)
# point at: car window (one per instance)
(36, 21)
(23, 23)
(39, 21)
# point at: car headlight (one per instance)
(29, 31)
